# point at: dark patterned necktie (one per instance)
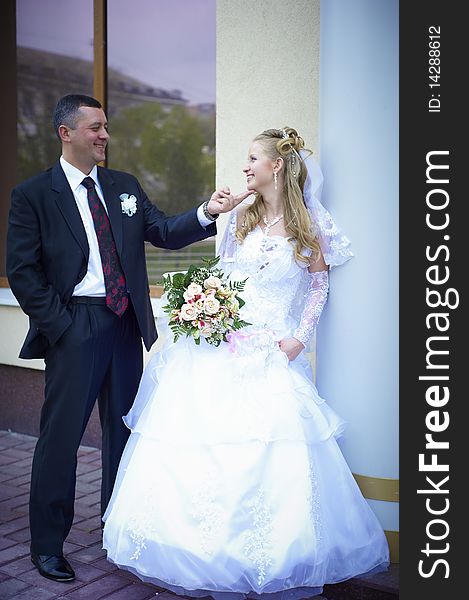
(117, 298)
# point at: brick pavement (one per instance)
(96, 578)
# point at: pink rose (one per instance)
(192, 290)
(188, 312)
(211, 306)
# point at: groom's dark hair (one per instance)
(66, 110)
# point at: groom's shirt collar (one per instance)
(75, 176)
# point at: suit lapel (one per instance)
(113, 204)
(68, 207)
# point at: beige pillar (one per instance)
(267, 76)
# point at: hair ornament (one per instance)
(285, 136)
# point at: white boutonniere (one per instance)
(129, 204)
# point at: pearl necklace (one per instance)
(269, 224)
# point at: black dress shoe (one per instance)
(53, 567)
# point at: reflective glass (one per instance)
(161, 108)
(54, 58)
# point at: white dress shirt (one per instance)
(92, 283)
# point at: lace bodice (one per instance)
(275, 282)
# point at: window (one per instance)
(161, 108)
(161, 97)
(53, 59)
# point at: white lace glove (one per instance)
(315, 299)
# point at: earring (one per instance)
(275, 180)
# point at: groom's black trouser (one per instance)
(98, 356)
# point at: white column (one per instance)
(357, 344)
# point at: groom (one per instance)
(76, 264)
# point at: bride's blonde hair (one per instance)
(286, 143)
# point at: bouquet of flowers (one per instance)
(203, 303)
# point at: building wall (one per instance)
(22, 381)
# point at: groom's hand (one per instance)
(223, 200)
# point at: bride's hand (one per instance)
(291, 346)
(223, 200)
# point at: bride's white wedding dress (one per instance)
(232, 482)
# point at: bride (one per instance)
(232, 483)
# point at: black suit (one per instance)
(89, 352)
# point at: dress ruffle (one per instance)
(225, 398)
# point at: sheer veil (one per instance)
(333, 241)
